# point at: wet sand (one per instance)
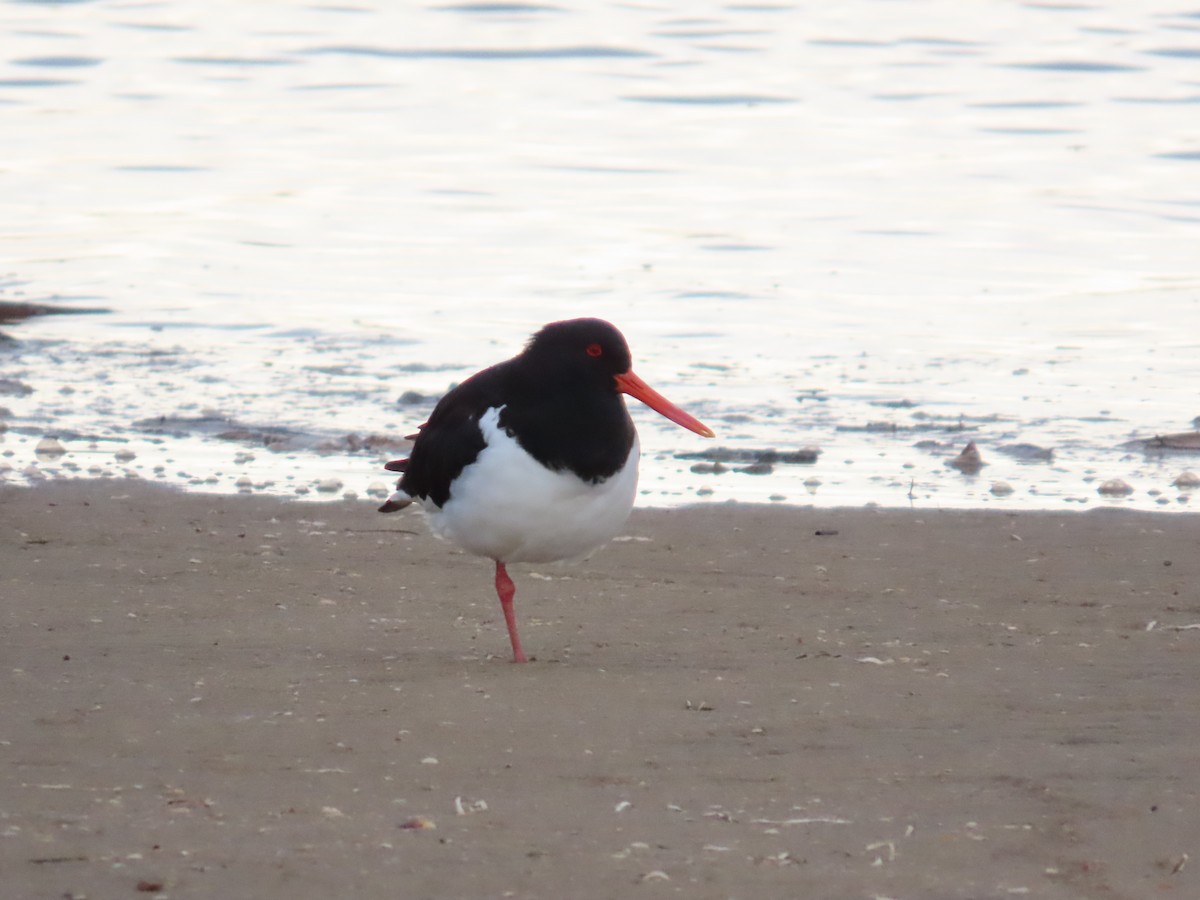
(248, 697)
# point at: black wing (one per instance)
(451, 440)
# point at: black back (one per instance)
(559, 401)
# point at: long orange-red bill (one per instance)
(633, 386)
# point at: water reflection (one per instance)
(484, 54)
(58, 62)
(864, 228)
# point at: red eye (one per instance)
(595, 350)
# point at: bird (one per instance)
(534, 459)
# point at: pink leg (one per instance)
(505, 589)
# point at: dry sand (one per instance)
(251, 698)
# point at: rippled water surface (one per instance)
(876, 230)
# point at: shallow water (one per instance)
(857, 227)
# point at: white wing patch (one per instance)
(508, 506)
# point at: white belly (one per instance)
(509, 507)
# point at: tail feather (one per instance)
(400, 498)
(396, 502)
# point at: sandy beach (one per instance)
(253, 698)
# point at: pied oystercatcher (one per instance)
(534, 459)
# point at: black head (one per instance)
(562, 400)
(583, 349)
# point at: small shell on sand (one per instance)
(329, 485)
(466, 807)
(1115, 487)
(418, 823)
(969, 461)
(1188, 479)
(1001, 488)
(124, 455)
(49, 447)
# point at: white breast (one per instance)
(509, 507)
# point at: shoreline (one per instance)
(221, 695)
